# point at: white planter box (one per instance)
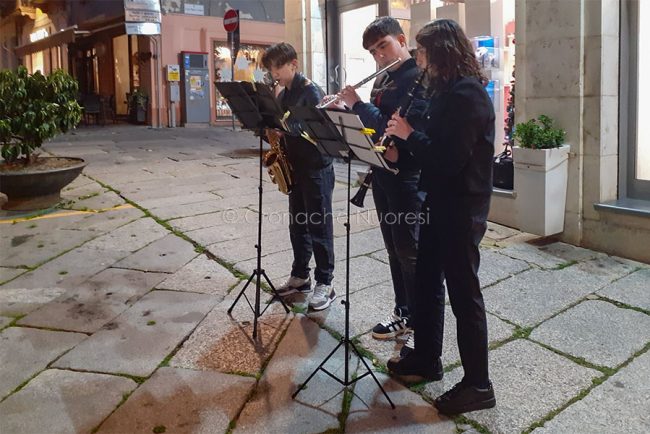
(541, 185)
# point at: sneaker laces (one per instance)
(321, 291)
(390, 320)
(410, 342)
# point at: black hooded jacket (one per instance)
(303, 155)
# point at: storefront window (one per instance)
(248, 67)
(643, 113)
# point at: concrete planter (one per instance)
(33, 190)
(541, 177)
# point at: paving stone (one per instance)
(182, 199)
(361, 243)
(381, 255)
(92, 304)
(24, 352)
(20, 301)
(139, 339)
(370, 412)
(569, 252)
(9, 273)
(36, 248)
(315, 409)
(223, 342)
(495, 267)
(240, 217)
(182, 401)
(166, 255)
(103, 222)
(529, 382)
(130, 237)
(619, 405)
(533, 255)
(63, 401)
(103, 201)
(364, 272)
(497, 331)
(596, 331)
(633, 289)
(201, 275)
(5, 321)
(608, 268)
(276, 265)
(241, 249)
(532, 296)
(358, 223)
(499, 232)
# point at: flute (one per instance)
(362, 82)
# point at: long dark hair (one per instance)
(450, 51)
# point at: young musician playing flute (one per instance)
(310, 200)
(396, 196)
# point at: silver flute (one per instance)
(362, 82)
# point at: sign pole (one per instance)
(232, 70)
(231, 25)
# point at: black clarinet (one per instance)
(360, 195)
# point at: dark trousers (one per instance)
(399, 204)
(311, 225)
(449, 247)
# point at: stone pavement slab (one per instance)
(569, 252)
(102, 201)
(24, 352)
(183, 199)
(241, 249)
(529, 382)
(31, 249)
(92, 304)
(364, 272)
(130, 237)
(19, 301)
(102, 222)
(198, 208)
(240, 216)
(224, 342)
(165, 255)
(535, 295)
(181, 401)
(201, 275)
(139, 339)
(608, 268)
(620, 405)
(5, 321)
(596, 331)
(533, 255)
(315, 409)
(633, 289)
(495, 267)
(63, 401)
(499, 232)
(370, 412)
(9, 273)
(361, 243)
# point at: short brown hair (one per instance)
(380, 27)
(278, 54)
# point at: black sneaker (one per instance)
(412, 369)
(396, 324)
(463, 398)
(408, 347)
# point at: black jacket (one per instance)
(303, 155)
(392, 93)
(457, 145)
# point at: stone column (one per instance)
(305, 30)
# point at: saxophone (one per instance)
(277, 162)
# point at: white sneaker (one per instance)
(323, 296)
(294, 284)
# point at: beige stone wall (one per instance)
(305, 30)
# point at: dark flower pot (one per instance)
(30, 189)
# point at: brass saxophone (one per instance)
(277, 163)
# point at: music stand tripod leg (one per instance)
(258, 272)
(345, 340)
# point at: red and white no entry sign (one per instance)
(231, 20)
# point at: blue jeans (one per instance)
(399, 205)
(311, 224)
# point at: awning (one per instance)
(65, 36)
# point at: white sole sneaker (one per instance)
(325, 304)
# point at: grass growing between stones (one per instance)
(462, 420)
(565, 265)
(623, 305)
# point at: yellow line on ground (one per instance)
(65, 214)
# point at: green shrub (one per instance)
(34, 108)
(539, 134)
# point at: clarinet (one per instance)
(360, 195)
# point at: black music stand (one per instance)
(338, 134)
(255, 107)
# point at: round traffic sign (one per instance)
(231, 20)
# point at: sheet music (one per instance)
(360, 143)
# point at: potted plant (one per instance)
(541, 175)
(34, 108)
(138, 101)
